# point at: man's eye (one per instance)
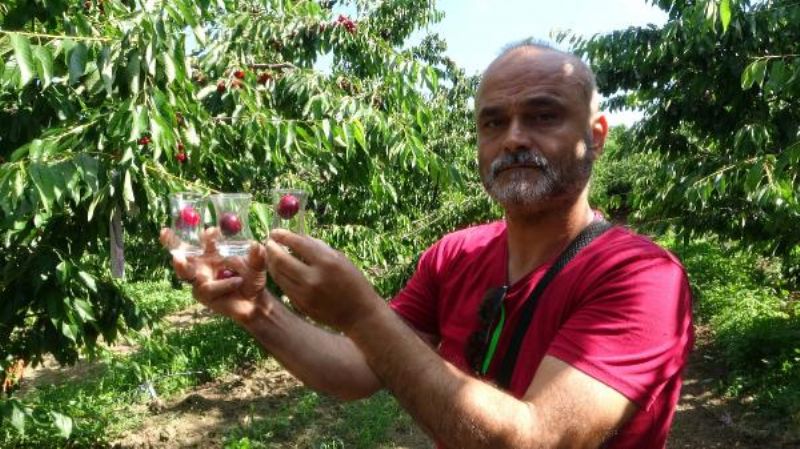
(545, 117)
(492, 123)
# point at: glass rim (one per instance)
(187, 195)
(232, 195)
(292, 191)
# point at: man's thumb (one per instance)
(257, 259)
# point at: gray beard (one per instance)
(541, 181)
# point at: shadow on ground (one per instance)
(266, 405)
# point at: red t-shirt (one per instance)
(620, 311)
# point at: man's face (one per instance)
(534, 129)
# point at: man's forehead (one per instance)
(544, 60)
(532, 66)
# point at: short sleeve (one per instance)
(633, 329)
(417, 301)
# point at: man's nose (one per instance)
(516, 138)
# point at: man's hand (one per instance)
(240, 297)
(321, 282)
(324, 361)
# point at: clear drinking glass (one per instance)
(232, 211)
(186, 212)
(289, 210)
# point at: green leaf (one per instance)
(24, 57)
(77, 62)
(326, 129)
(169, 67)
(44, 64)
(106, 69)
(95, 202)
(17, 417)
(725, 14)
(162, 134)
(206, 91)
(127, 190)
(63, 424)
(290, 136)
(754, 73)
(127, 156)
(187, 13)
(133, 70)
(754, 177)
(44, 180)
(88, 280)
(711, 10)
(262, 212)
(19, 182)
(200, 35)
(63, 271)
(140, 122)
(70, 331)
(358, 134)
(150, 58)
(779, 77)
(432, 79)
(84, 309)
(191, 136)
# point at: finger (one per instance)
(164, 236)
(210, 290)
(257, 258)
(281, 262)
(205, 267)
(237, 264)
(254, 262)
(319, 242)
(289, 287)
(209, 234)
(168, 239)
(184, 269)
(306, 248)
(208, 239)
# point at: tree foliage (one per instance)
(718, 85)
(106, 106)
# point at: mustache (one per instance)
(530, 158)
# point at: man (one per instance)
(601, 364)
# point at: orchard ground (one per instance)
(261, 405)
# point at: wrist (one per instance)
(373, 318)
(264, 309)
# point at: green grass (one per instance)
(158, 299)
(173, 360)
(311, 420)
(108, 399)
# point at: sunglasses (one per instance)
(482, 344)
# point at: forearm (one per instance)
(452, 406)
(324, 361)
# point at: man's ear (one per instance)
(599, 130)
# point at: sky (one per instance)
(476, 30)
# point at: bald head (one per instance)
(553, 64)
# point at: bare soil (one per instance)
(50, 372)
(201, 418)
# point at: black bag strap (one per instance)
(592, 231)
